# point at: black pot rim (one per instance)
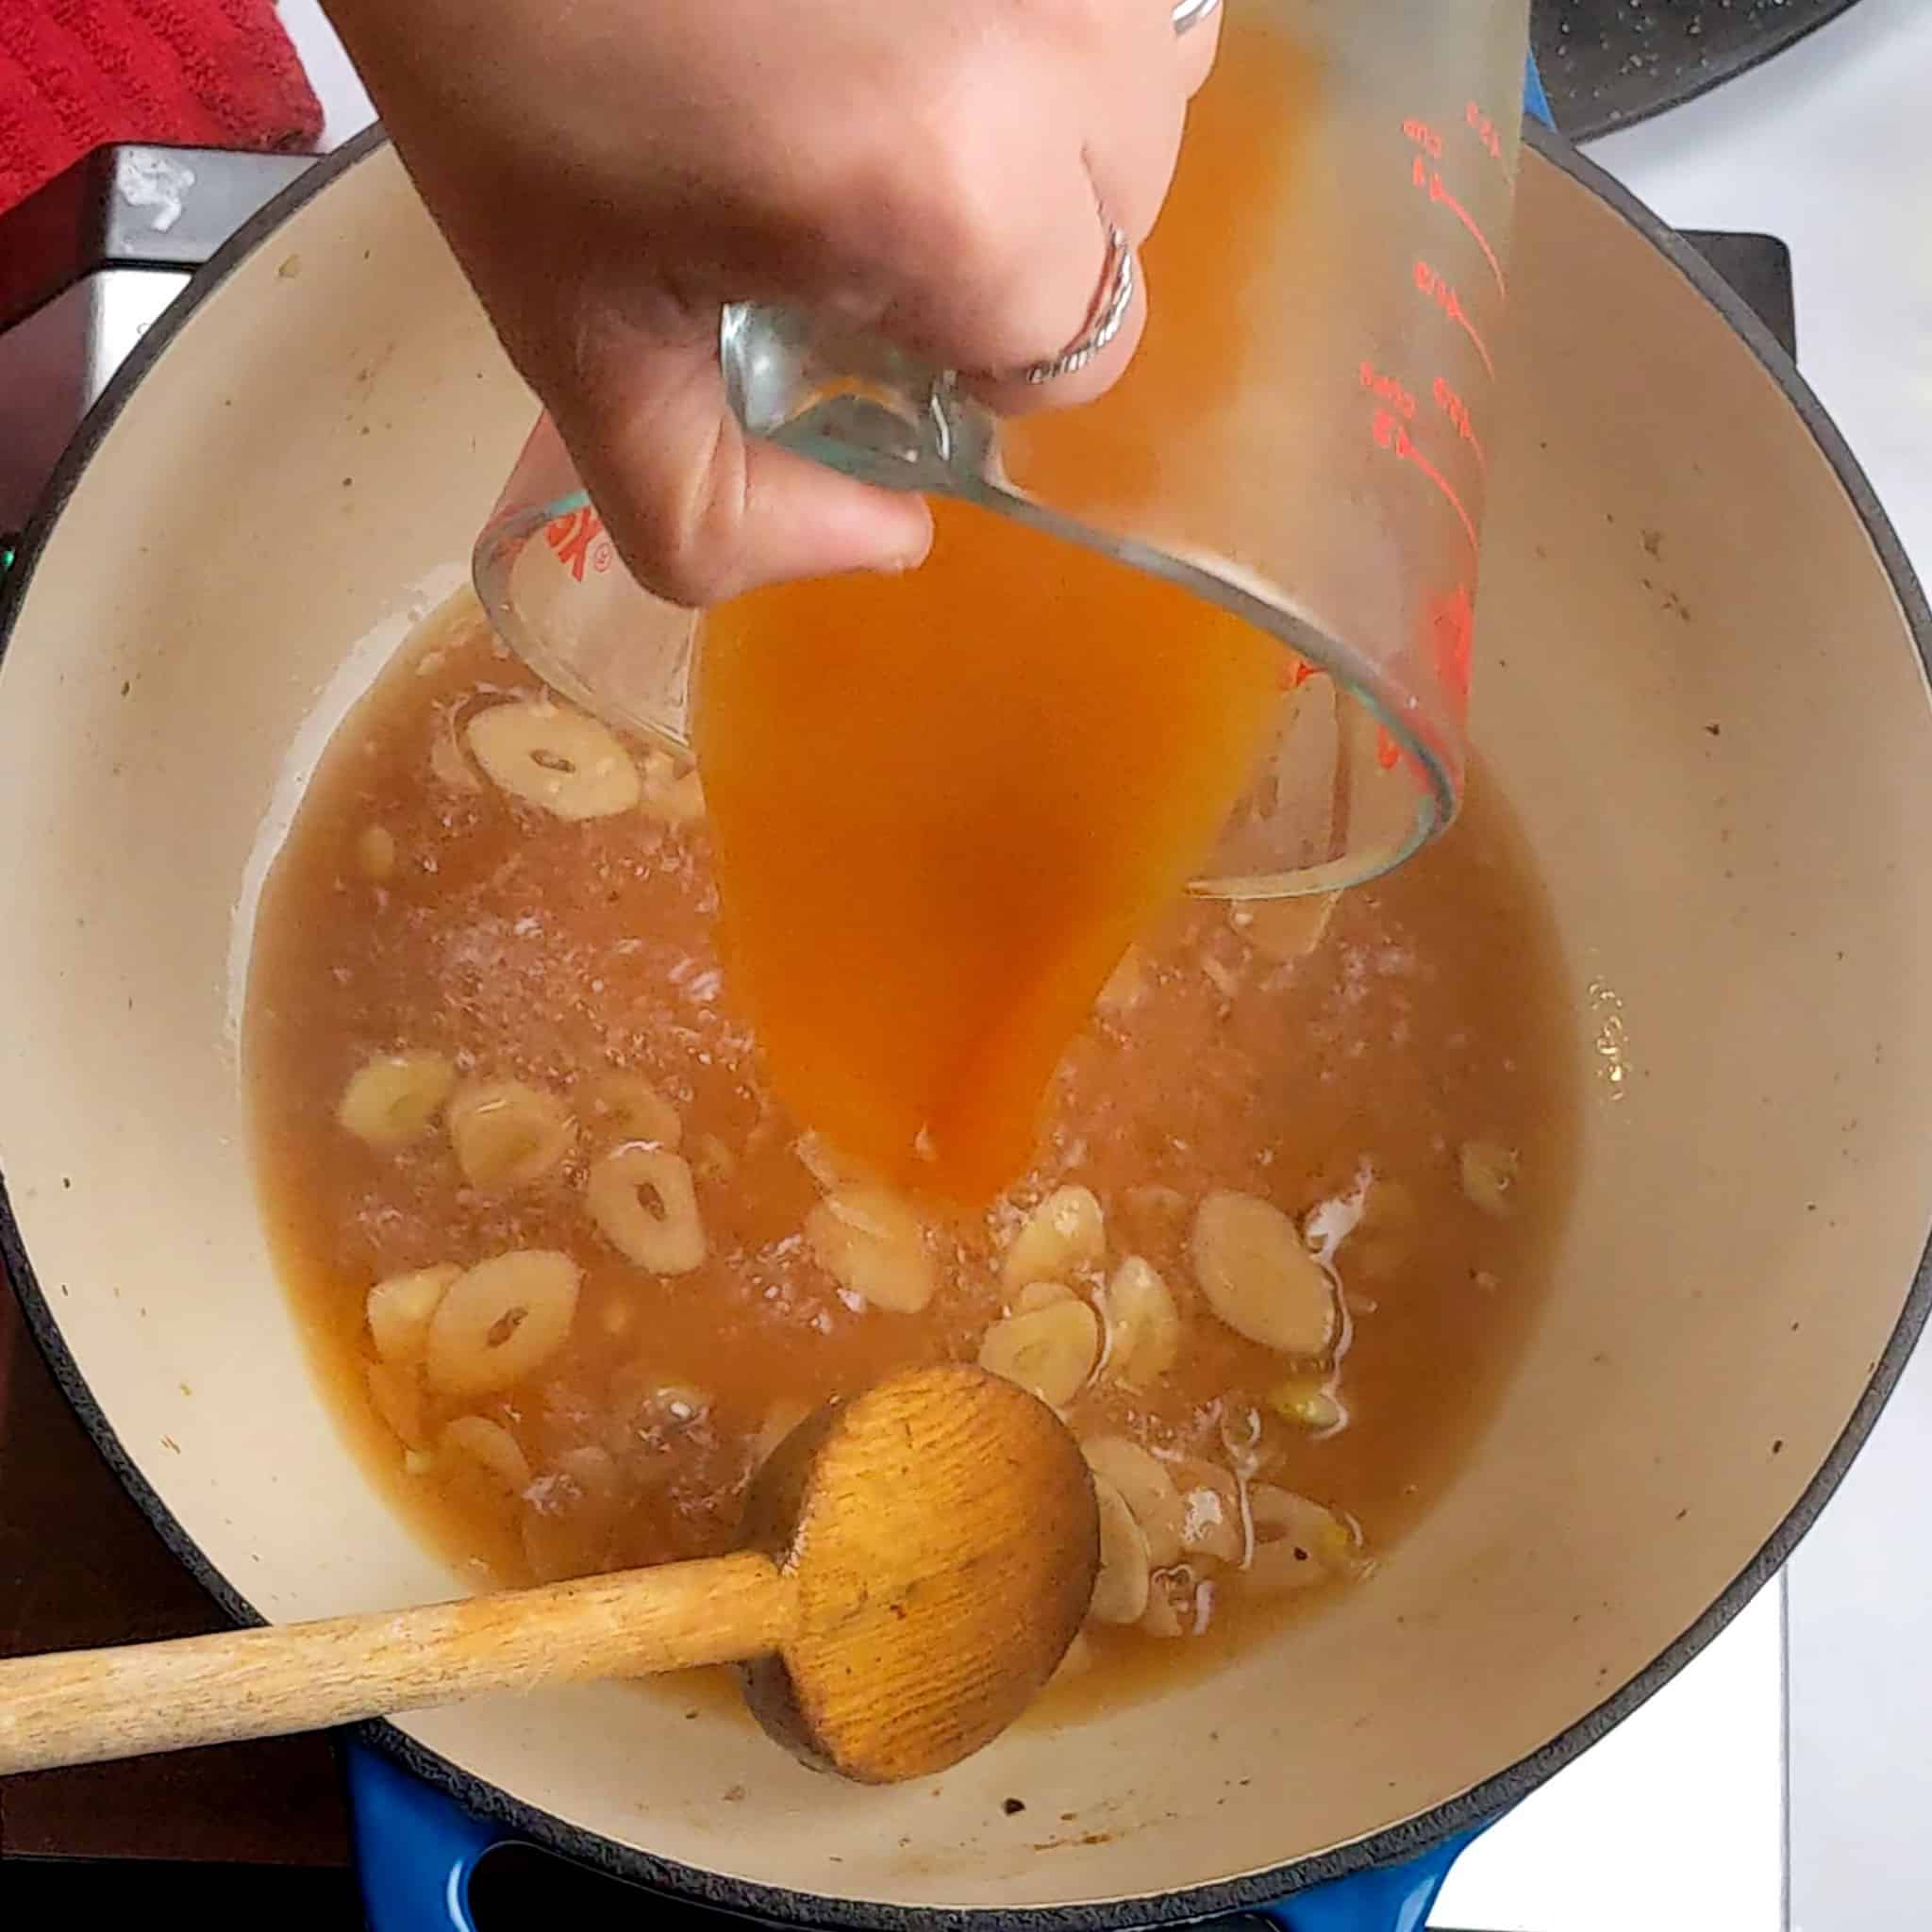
(718, 1892)
(1585, 117)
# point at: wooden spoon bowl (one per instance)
(916, 1561)
(941, 1539)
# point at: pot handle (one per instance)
(1536, 103)
(1385, 1898)
(415, 1849)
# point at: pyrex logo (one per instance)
(577, 540)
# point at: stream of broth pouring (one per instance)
(944, 803)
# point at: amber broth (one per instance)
(1429, 1012)
(1004, 804)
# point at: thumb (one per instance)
(699, 512)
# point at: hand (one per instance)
(612, 171)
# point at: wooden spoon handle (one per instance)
(82, 1706)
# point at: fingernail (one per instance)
(912, 558)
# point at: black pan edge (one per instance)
(723, 1893)
(1618, 97)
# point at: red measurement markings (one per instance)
(1430, 181)
(1442, 292)
(1387, 389)
(1391, 435)
(578, 538)
(1485, 131)
(1424, 137)
(1453, 406)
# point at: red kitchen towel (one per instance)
(75, 74)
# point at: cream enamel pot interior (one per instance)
(1699, 680)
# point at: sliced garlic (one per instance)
(1283, 930)
(1042, 1294)
(396, 1396)
(508, 1134)
(1297, 1542)
(376, 852)
(394, 1099)
(826, 1164)
(1259, 1278)
(1066, 1231)
(1210, 1511)
(491, 1447)
(873, 1244)
(1049, 1351)
(669, 1240)
(1144, 1325)
(625, 1106)
(1149, 1490)
(550, 756)
(399, 1308)
(501, 1320)
(672, 794)
(1120, 1588)
(1488, 1175)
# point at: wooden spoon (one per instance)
(916, 1561)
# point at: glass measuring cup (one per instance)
(1301, 440)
